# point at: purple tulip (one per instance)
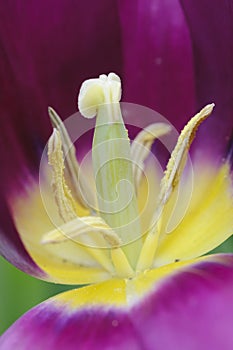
(158, 291)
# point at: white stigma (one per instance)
(95, 92)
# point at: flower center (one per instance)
(115, 221)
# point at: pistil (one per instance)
(112, 163)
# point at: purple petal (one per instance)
(192, 309)
(210, 25)
(49, 49)
(157, 57)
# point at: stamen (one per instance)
(79, 226)
(78, 182)
(84, 231)
(141, 146)
(169, 184)
(148, 252)
(65, 202)
(178, 157)
(121, 263)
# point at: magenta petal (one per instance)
(211, 30)
(48, 327)
(157, 57)
(192, 309)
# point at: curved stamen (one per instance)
(79, 185)
(169, 185)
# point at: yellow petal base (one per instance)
(122, 292)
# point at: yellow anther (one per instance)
(64, 200)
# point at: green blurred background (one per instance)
(19, 292)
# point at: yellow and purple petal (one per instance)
(48, 49)
(190, 309)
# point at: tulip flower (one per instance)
(148, 288)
